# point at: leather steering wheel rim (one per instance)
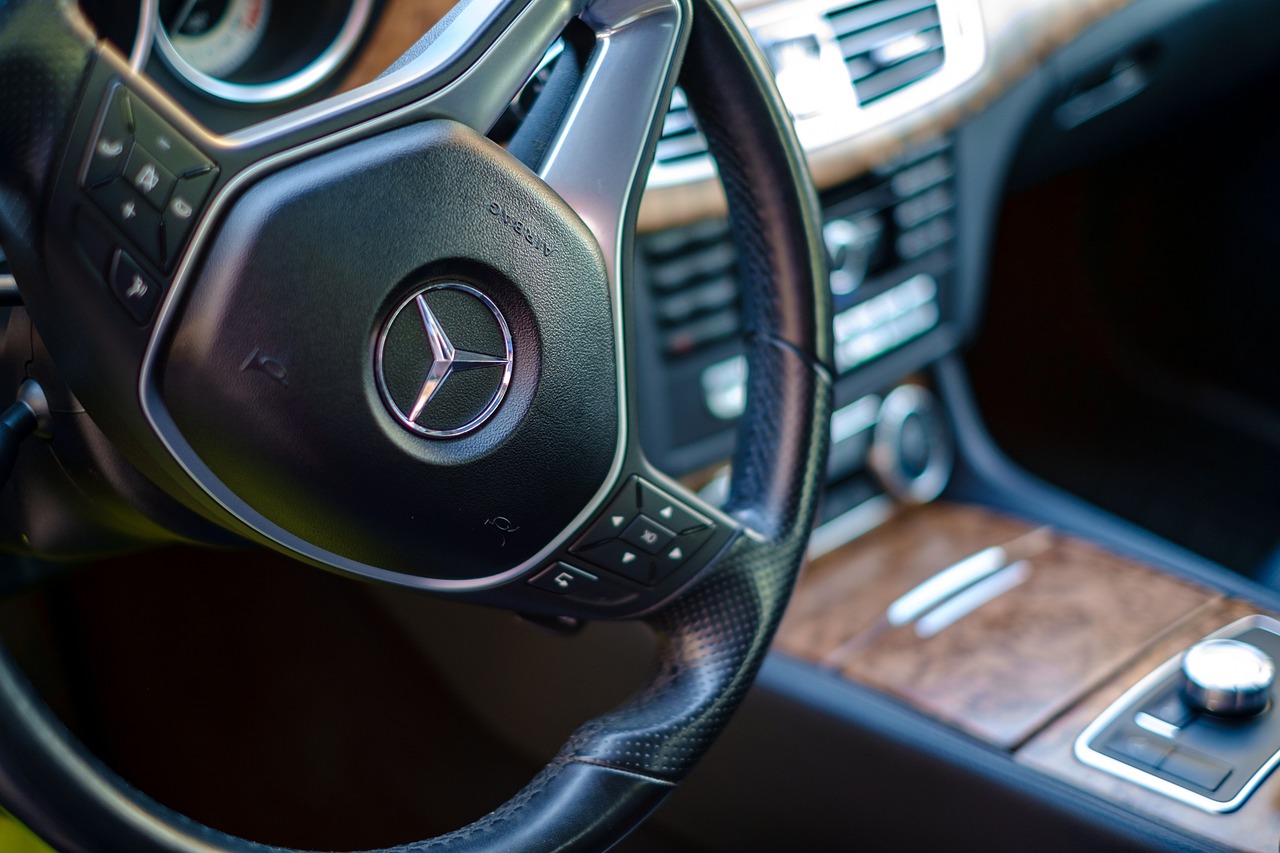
(617, 768)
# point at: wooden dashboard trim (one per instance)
(1005, 670)
(398, 28)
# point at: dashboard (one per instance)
(877, 90)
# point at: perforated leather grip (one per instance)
(617, 768)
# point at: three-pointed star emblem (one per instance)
(445, 358)
(433, 334)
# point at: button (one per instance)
(647, 534)
(152, 180)
(1171, 709)
(672, 513)
(173, 151)
(670, 559)
(628, 561)
(690, 542)
(608, 526)
(183, 210)
(137, 218)
(572, 582)
(136, 290)
(1200, 770)
(1140, 749)
(111, 144)
(562, 579)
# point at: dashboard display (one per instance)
(258, 51)
(216, 37)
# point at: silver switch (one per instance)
(1229, 678)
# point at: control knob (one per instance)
(1229, 678)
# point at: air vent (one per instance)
(691, 273)
(888, 44)
(923, 185)
(681, 141)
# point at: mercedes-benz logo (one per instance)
(443, 360)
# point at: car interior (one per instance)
(856, 411)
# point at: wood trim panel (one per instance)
(1006, 669)
(1255, 827)
(398, 28)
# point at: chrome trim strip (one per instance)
(162, 422)
(613, 116)
(950, 581)
(856, 418)
(262, 93)
(148, 14)
(967, 601)
(1156, 726)
(536, 21)
(935, 591)
(1085, 753)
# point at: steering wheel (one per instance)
(367, 336)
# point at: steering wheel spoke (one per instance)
(468, 68)
(599, 156)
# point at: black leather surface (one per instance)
(617, 768)
(45, 48)
(288, 250)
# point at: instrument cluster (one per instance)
(236, 62)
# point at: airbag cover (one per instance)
(271, 374)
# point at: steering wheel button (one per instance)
(563, 579)
(647, 535)
(134, 216)
(694, 539)
(608, 526)
(135, 290)
(109, 153)
(110, 146)
(574, 583)
(107, 161)
(182, 211)
(627, 560)
(173, 151)
(670, 513)
(669, 560)
(151, 179)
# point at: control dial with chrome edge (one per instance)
(1227, 678)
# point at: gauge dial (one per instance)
(216, 37)
(258, 51)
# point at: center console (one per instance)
(1101, 671)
